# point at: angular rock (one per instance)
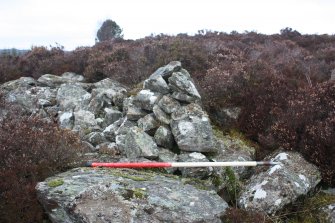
(139, 144)
(22, 82)
(120, 127)
(123, 195)
(146, 99)
(66, 120)
(73, 77)
(111, 116)
(192, 130)
(227, 116)
(183, 87)
(161, 115)
(148, 123)
(156, 84)
(197, 172)
(84, 122)
(53, 81)
(73, 97)
(108, 148)
(167, 70)
(168, 104)
(95, 138)
(234, 149)
(279, 185)
(166, 155)
(135, 113)
(163, 137)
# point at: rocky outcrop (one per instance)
(102, 195)
(275, 187)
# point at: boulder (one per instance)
(227, 117)
(167, 70)
(73, 76)
(196, 172)
(111, 116)
(22, 82)
(84, 122)
(146, 99)
(183, 87)
(95, 138)
(66, 120)
(156, 84)
(134, 113)
(161, 116)
(73, 97)
(53, 81)
(163, 137)
(166, 155)
(234, 149)
(168, 104)
(120, 127)
(92, 195)
(148, 123)
(192, 130)
(273, 188)
(137, 143)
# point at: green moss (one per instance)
(55, 183)
(233, 185)
(217, 180)
(139, 193)
(197, 183)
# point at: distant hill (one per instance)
(12, 51)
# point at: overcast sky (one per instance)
(73, 23)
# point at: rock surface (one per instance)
(282, 184)
(119, 195)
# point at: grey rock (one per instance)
(163, 137)
(167, 70)
(168, 104)
(120, 127)
(95, 138)
(192, 130)
(227, 116)
(120, 141)
(197, 172)
(53, 81)
(139, 144)
(33, 98)
(66, 120)
(148, 123)
(166, 155)
(84, 122)
(328, 213)
(273, 188)
(183, 87)
(111, 116)
(135, 113)
(146, 99)
(109, 148)
(91, 195)
(234, 149)
(23, 82)
(156, 84)
(73, 76)
(161, 115)
(73, 97)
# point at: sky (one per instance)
(74, 23)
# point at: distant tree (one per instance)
(289, 32)
(109, 30)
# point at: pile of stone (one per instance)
(163, 121)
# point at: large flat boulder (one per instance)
(90, 195)
(273, 188)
